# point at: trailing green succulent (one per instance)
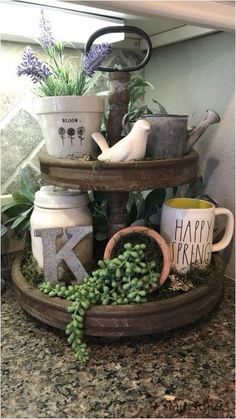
(20, 210)
(125, 279)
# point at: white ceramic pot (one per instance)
(59, 207)
(68, 122)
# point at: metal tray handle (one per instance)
(116, 29)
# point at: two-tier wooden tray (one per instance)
(126, 320)
(118, 179)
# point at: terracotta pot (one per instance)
(161, 243)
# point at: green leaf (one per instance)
(136, 93)
(100, 196)
(196, 188)
(175, 190)
(26, 187)
(141, 209)
(20, 199)
(137, 197)
(7, 206)
(100, 224)
(27, 212)
(155, 219)
(14, 210)
(137, 89)
(23, 225)
(154, 198)
(17, 221)
(132, 215)
(139, 81)
(99, 236)
(161, 107)
(9, 220)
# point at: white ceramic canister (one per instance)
(59, 207)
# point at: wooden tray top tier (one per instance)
(124, 320)
(124, 176)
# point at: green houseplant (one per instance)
(137, 90)
(19, 211)
(67, 113)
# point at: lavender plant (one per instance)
(57, 76)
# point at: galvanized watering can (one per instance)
(169, 136)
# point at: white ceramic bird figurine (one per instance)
(131, 147)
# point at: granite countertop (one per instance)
(184, 373)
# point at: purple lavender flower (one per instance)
(31, 66)
(46, 40)
(94, 58)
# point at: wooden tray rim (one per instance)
(95, 165)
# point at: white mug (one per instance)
(187, 225)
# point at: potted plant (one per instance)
(155, 244)
(68, 115)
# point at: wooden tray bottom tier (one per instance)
(126, 320)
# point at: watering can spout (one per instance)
(211, 117)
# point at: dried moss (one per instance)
(96, 165)
(31, 271)
(177, 284)
(198, 275)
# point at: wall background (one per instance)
(189, 78)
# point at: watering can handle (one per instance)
(116, 29)
(125, 124)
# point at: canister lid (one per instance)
(55, 197)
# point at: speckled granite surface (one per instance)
(185, 373)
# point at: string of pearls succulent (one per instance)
(125, 279)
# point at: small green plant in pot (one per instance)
(67, 112)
